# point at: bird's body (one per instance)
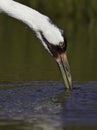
(50, 35)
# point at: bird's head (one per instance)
(56, 45)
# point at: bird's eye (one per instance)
(61, 44)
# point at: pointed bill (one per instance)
(65, 70)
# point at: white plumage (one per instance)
(35, 20)
(50, 35)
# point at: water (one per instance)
(32, 96)
(48, 106)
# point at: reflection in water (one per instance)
(31, 106)
(62, 97)
(22, 125)
(45, 105)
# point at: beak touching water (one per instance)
(65, 70)
(59, 53)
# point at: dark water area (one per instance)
(48, 106)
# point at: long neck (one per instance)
(35, 20)
(23, 13)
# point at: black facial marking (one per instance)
(55, 49)
(65, 41)
(50, 21)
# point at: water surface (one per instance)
(48, 106)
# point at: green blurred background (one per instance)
(22, 57)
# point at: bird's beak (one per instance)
(65, 70)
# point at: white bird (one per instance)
(52, 38)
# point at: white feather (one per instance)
(34, 19)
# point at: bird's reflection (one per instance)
(49, 114)
(34, 107)
(62, 97)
